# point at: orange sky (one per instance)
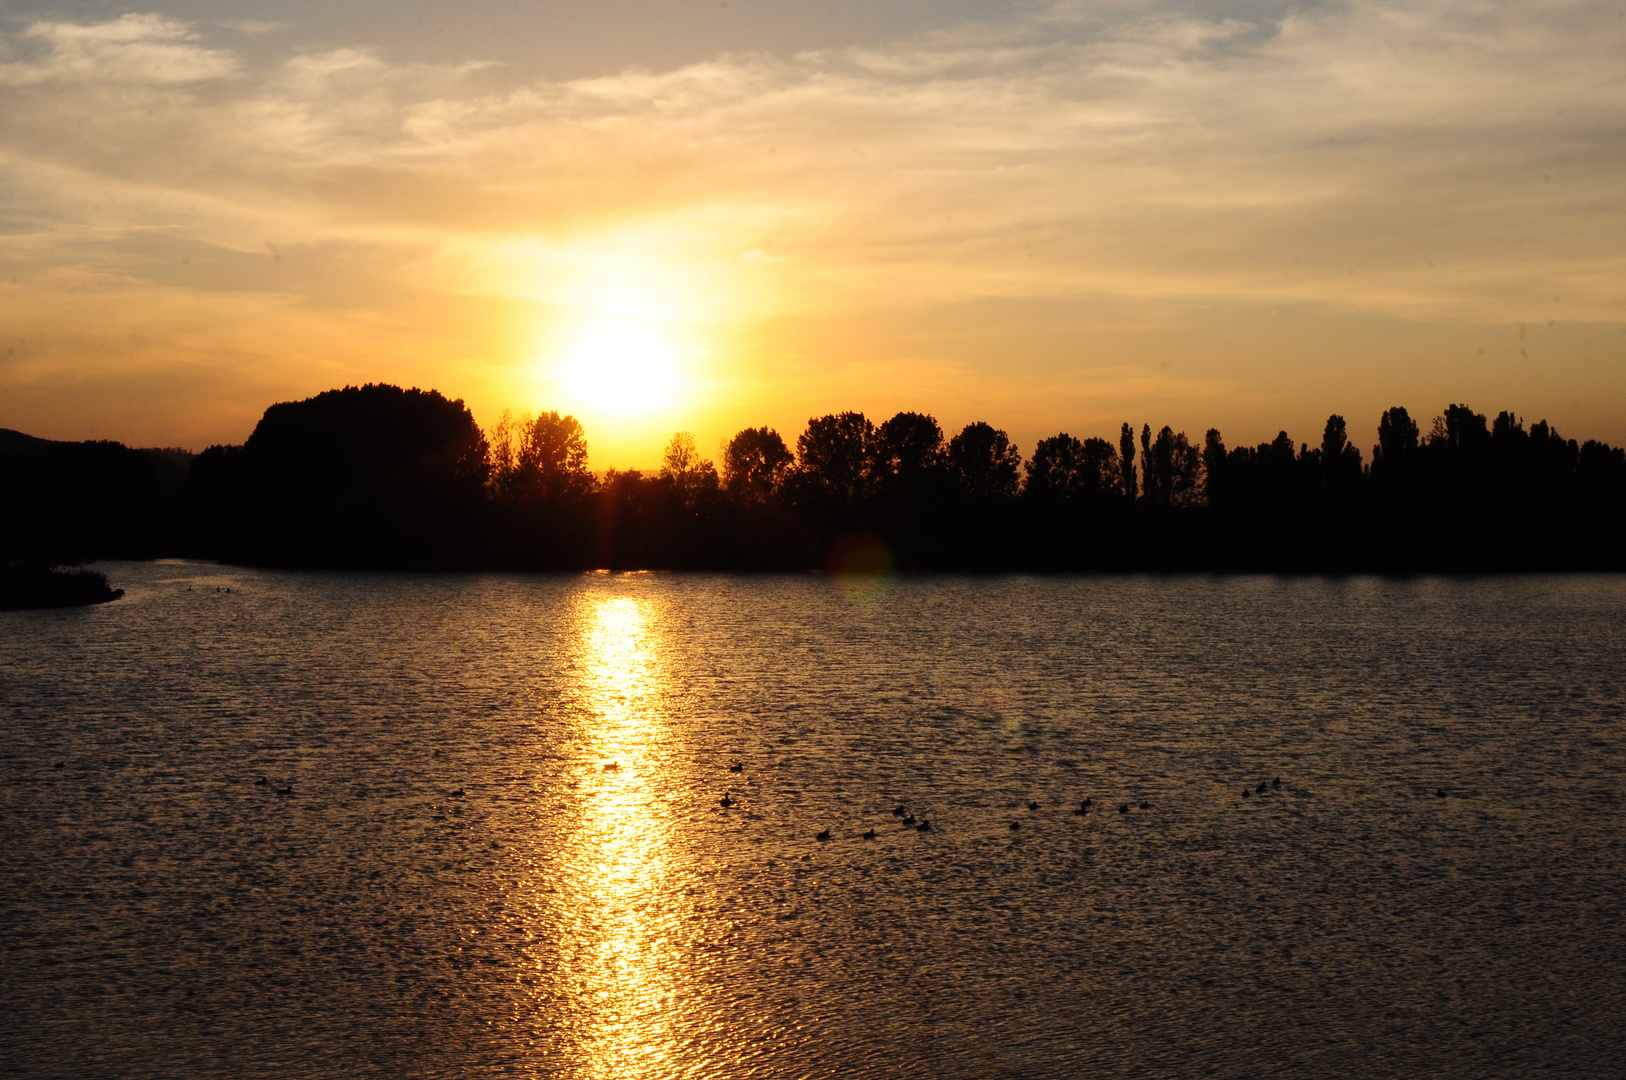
(1052, 217)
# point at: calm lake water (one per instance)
(461, 884)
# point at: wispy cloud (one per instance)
(1446, 160)
(149, 49)
(1170, 155)
(252, 26)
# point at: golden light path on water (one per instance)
(617, 870)
(447, 882)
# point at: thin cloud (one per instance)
(1449, 161)
(1107, 158)
(150, 49)
(251, 26)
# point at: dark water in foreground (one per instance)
(163, 915)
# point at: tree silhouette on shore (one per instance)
(381, 476)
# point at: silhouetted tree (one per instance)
(983, 463)
(1551, 455)
(1214, 479)
(1148, 482)
(674, 520)
(1053, 467)
(1460, 430)
(643, 524)
(908, 453)
(381, 476)
(548, 460)
(691, 476)
(1126, 459)
(1509, 441)
(1268, 479)
(1064, 469)
(756, 463)
(502, 450)
(912, 494)
(371, 475)
(1171, 468)
(836, 455)
(541, 490)
(1340, 460)
(1600, 473)
(1395, 455)
(1283, 480)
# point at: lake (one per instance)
(504, 850)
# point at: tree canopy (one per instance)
(382, 476)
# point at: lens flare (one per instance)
(861, 567)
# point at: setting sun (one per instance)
(620, 370)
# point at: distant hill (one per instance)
(15, 442)
(170, 465)
(68, 502)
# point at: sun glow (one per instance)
(620, 369)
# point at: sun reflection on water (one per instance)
(624, 976)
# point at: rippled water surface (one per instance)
(504, 853)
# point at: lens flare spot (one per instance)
(862, 568)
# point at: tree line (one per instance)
(380, 476)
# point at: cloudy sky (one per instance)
(703, 215)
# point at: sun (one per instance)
(620, 369)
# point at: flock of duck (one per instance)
(900, 811)
(908, 820)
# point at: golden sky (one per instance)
(1054, 217)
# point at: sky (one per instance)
(701, 216)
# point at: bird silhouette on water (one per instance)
(1276, 782)
(1145, 805)
(898, 811)
(924, 826)
(824, 835)
(1246, 793)
(725, 802)
(289, 790)
(1033, 806)
(1440, 792)
(1083, 807)
(1016, 825)
(459, 793)
(736, 767)
(1123, 808)
(870, 835)
(261, 782)
(908, 819)
(1261, 788)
